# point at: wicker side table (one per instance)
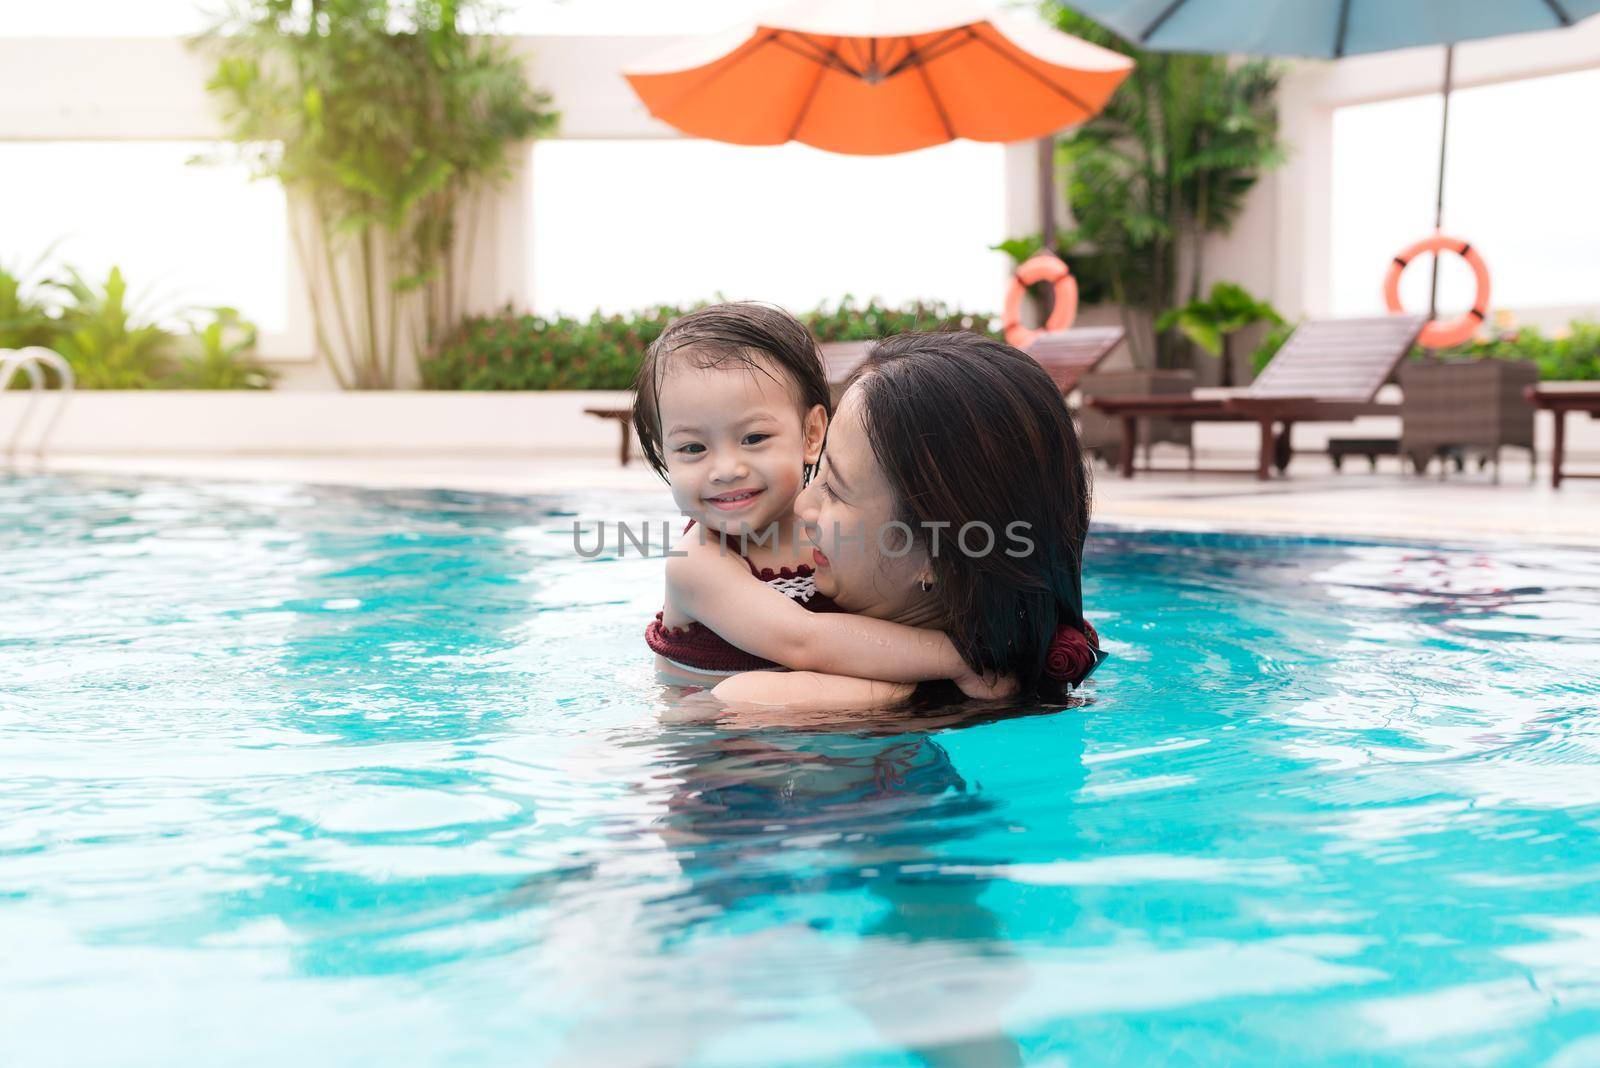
(1102, 435)
(1452, 407)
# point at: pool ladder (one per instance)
(33, 360)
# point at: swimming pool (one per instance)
(335, 777)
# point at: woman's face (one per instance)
(863, 563)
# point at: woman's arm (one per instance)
(716, 588)
(801, 700)
(808, 691)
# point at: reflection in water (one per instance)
(762, 832)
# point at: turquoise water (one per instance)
(329, 777)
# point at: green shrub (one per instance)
(848, 321)
(1576, 356)
(107, 342)
(113, 344)
(1570, 355)
(512, 351)
(222, 356)
(25, 314)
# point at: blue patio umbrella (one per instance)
(1332, 29)
(1326, 29)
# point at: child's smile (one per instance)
(735, 501)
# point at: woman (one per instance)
(953, 494)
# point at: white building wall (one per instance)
(154, 89)
(1300, 194)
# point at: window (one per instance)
(619, 225)
(1520, 186)
(183, 235)
(104, 18)
(163, 18)
(632, 17)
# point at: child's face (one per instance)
(736, 444)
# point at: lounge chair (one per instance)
(1328, 371)
(840, 360)
(1068, 355)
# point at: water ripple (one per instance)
(349, 776)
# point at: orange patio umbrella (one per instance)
(875, 77)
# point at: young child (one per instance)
(732, 407)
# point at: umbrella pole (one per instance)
(1438, 204)
(1047, 212)
(1047, 191)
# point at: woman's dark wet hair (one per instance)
(971, 430)
(736, 334)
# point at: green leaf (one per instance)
(387, 115)
(1019, 248)
(1170, 159)
(1202, 329)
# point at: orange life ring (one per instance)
(1040, 267)
(1441, 334)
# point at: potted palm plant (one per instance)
(1214, 322)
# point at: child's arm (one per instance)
(716, 588)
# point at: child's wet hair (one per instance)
(741, 334)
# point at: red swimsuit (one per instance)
(696, 647)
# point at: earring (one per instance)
(926, 586)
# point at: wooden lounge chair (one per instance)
(840, 360)
(1068, 355)
(1328, 371)
(623, 417)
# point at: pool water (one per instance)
(333, 777)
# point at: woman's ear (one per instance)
(814, 430)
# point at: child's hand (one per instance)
(986, 687)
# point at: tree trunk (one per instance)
(319, 315)
(1202, 224)
(370, 361)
